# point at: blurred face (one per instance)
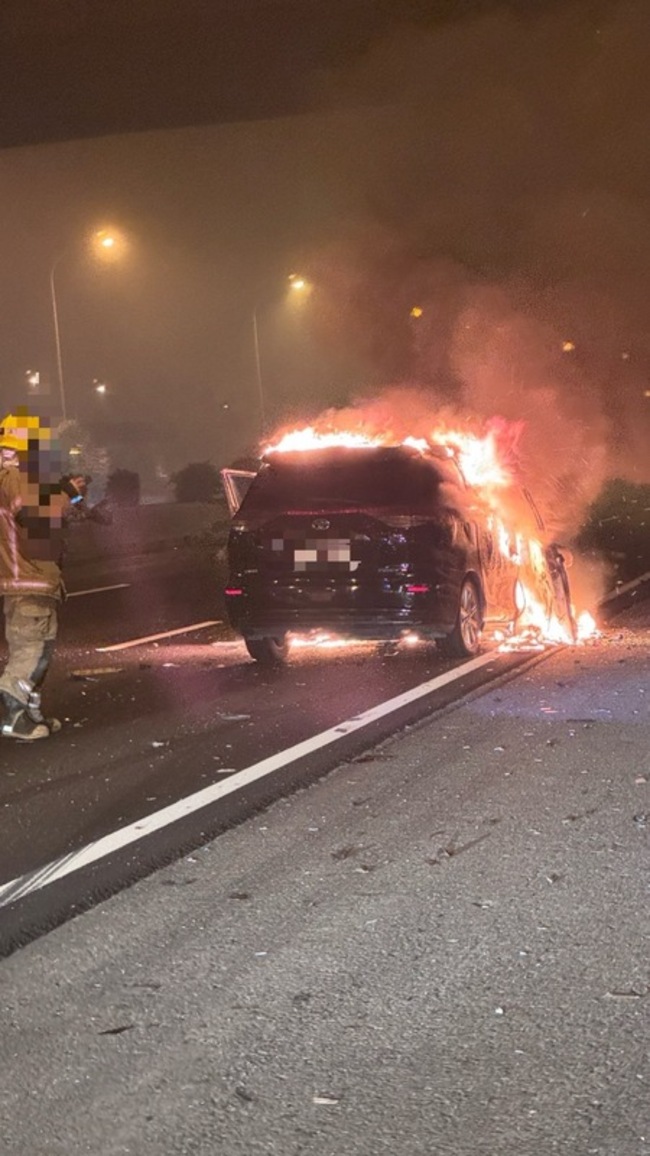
(8, 457)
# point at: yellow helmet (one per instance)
(18, 429)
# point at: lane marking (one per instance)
(156, 637)
(97, 590)
(35, 880)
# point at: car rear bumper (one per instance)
(349, 612)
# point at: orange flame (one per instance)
(478, 457)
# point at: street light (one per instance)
(57, 338)
(101, 239)
(297, 284)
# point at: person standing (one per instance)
(33, 509)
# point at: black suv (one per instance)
(374, 543)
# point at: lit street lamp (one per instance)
(104, 240)
(297, 284)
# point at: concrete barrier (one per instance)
(145, 529)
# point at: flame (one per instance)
(537, 626)
(321, 639)
(310, 439)
(477, 456)
(586, 626)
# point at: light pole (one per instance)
(297, 284)
(258, 372)
(105, 241)
(57, 339)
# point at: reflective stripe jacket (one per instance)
(31, 534)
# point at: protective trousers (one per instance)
(30, 630)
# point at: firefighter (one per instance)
(34, 505)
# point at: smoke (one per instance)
(500, 257)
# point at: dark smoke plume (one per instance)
(500, 258)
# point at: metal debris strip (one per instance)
(629, 993)
(96, 672)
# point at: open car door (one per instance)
(235, 484)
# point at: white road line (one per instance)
(97, 590)
(35, 880)
(156, 637)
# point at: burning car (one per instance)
(383, 543)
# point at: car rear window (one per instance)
(390, 478)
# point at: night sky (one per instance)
(492, 168)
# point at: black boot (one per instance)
(35, 713)
(17, 723)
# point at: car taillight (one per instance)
(418, 588)
(232, 591)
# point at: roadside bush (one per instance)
(123, 488)
(197, 482)
(617, 528)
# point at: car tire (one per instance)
(268, 651)
(465, 639)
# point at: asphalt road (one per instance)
(161, 721)
(440, 948)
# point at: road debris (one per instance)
(452, 849)
(244, 1095)
(326, 1100)
(96, 672)
(629, 993)
(345, 852)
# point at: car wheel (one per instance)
(465, 638)
(268, 651)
